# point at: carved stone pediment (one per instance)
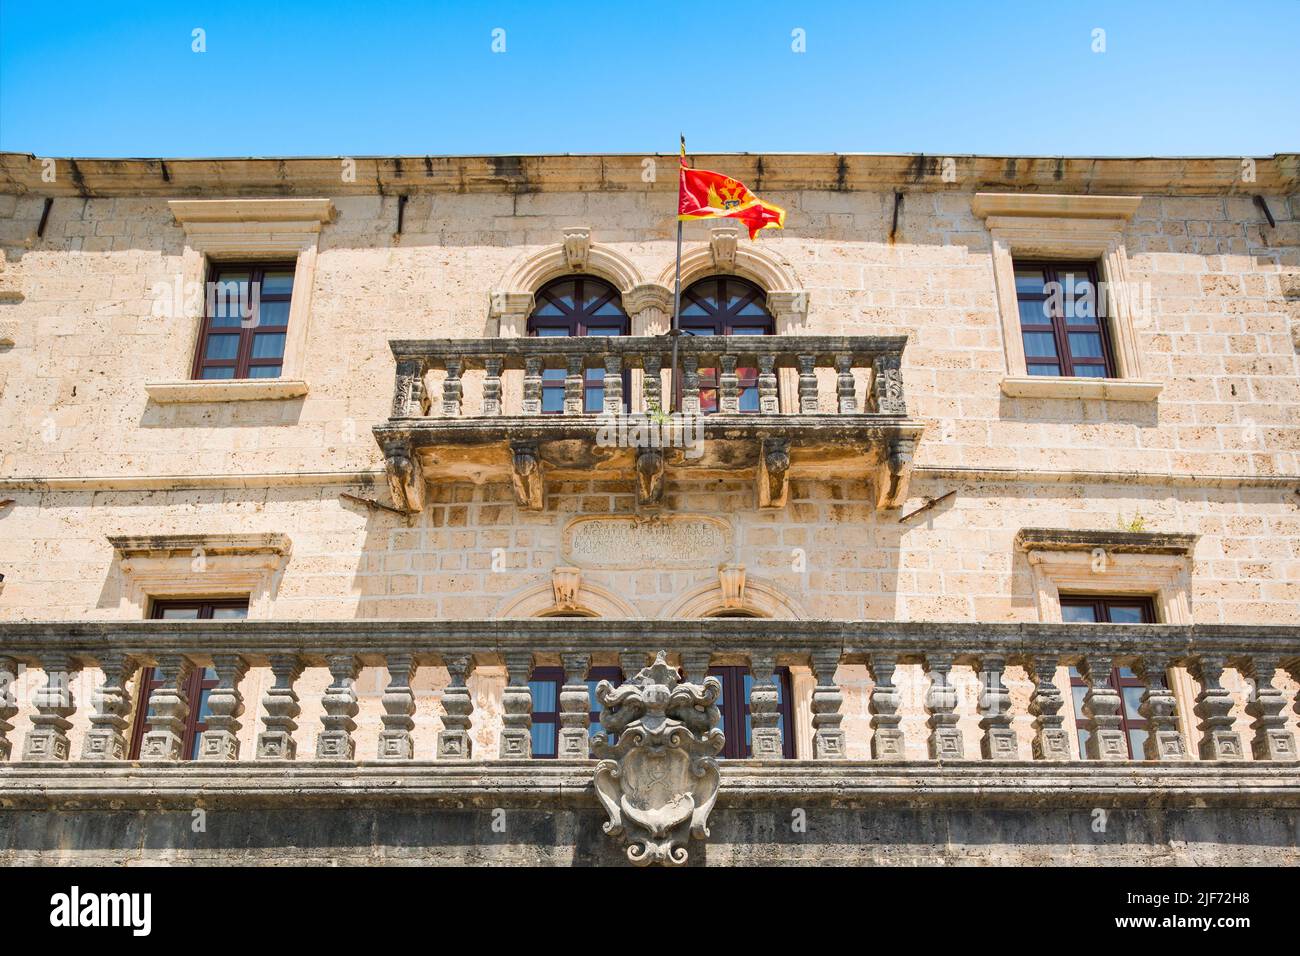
(658, 784)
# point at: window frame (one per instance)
(1101, 603)
(195, 683)
(724, 321)
(1054, 270)
(244, 360)
(577, 323)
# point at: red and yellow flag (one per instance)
(705, 195)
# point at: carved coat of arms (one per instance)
(659, 782)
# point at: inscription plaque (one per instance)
(664, 541)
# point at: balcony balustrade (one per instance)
(790, 432)
(230, 648)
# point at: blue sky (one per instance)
(286, 77)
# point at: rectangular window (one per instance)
(201, 680)
(546, 683)
(734, 705)
(1062, 319)
(245, 320)
(1111, 610)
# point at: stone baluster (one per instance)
(532, 400)
(1158, 705)
(764, 710)
(845, 387)
(48, 738)
(106, 738)
(1272, 739)
(492, 384)
(652, 384)
(335, 741)
(769, 402)
(690, 384)
(941, 701)
(575, 707)
(728, 385)
(999, 739)
(408, 390)
(1214, 706)
(1051, 741)
(395, 740)
(454, 740)
(8, 703)
(1101, 712)
(887, 384)
(807, 385)
(279, 708)
(452, 389)
(517, 707)
(165, 740)
(887, 738)
(828, 738)
(613, 383)
(575, 385)
(226, 705)
(695, 665)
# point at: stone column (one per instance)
(221, 740)
(1272, 739)
(728, 385)
(517, 707)
(335, 741)
(999, 739)
(575, 708)
(764, 711)
(768, 399)
(807, 384)
(165, 740)
(845, 387)
(492, 384)
(613, 404)
(941, 701)
(395, 740)
(1214, 707)
(695, 665)
(8, 703)
(887, 738)
(1051, 740)
(106, 740)
(1101, 712)
(48, 738)
(280, 707)
(454, 740)
(452, 390)
(1158, 705)
(575, 390)
(828, 738)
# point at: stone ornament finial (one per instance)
(659, 782)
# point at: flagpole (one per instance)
(675, 332)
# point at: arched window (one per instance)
(726, 305)
(577, 306)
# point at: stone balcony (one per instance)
(327, 805)
(826, 405)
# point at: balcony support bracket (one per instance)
(650, 474)
(895, 473)
(773, 472)
(526, 475)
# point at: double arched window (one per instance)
(585, 305)
(577, 306)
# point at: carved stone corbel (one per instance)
(650, 476)
(526, 475)
(773, 467)
(895, 472)
(511, 311)
(577, 247)
(405, 477)
(659, 782)
(565, 583)
(723, 241)
(731, 580)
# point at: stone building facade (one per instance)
(403, 494)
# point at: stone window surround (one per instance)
(649, 304)
(1134, 562)
(175, 566)
(225, 229)
(1064, 227)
